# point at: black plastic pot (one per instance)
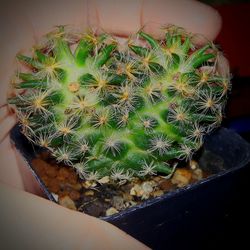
(185, 216)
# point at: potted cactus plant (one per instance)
(114, 113)
(120, 113)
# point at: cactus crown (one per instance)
(120, 112)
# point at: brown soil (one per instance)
(107, 198)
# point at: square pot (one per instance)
(178, 216)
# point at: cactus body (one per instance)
(120, 112)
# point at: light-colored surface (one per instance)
(31, 222)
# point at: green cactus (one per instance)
(120, 111)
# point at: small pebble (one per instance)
(197, 174)
(157, 178)
(130, 204)
(104, 180)
(148, 186)
(67, 202)
(89, 193)
(144, 190)
(193, 164)
(88, 184)
(181, 177)
(136, 190)
(166, 185)
(127, 197)
(118, 202)
(158, 193)
(147, 189)
(111, 211)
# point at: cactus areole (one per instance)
(120, 111)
